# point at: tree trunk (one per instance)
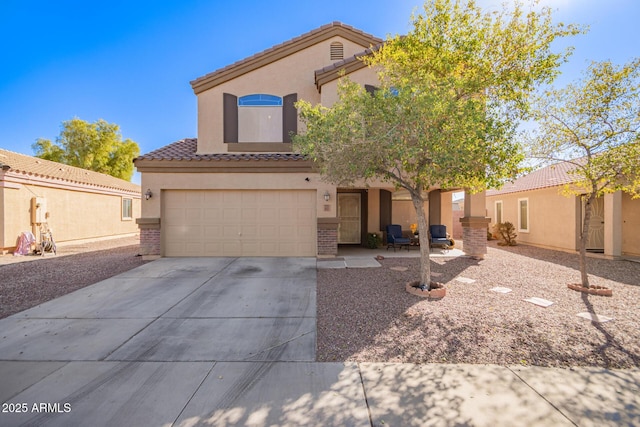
(423, 228)
(584, 236)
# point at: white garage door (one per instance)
(239, 223)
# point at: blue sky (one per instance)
(130, 62)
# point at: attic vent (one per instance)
(337, 51)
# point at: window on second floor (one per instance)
(261, 118)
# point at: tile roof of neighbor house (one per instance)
(28, 165)
(282, 50)
(185, 149)
(549, 176)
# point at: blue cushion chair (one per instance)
(394, 237)
(438, 236)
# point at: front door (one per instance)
(349, 216)
(595, 241)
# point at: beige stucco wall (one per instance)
(157, 182)
(403, 213)
(292, 74)
(73, 215)
(630, 226)
(363, 76)
(552, 217)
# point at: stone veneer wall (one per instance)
(328, 236)
(327, 242)
(474, 236)
(149, 242)
(149, 236)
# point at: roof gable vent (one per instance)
(337, 51)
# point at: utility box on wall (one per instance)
(38, 210)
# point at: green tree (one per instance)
(594, 124)
(95, 146)
(451, 94)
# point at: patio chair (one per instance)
(395, 239)
(438, 236)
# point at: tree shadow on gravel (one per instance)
(610, 342)
(623, 271)
(27, 284)
(376, 320)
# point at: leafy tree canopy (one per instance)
(593, 123)
(450, 97)
(95, 146)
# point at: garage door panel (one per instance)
(174, 215)
(239, 223)
(306, 216)
(232, 197)
(230, 214)
(193, 198)
(212, 232)
(212, 215)
(230, 232)
(269, 215)
(269, 232)
(249, 215)
(231, 248)
(213, 198)
(193, 215)
(213, 248)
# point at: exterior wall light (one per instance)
(148, 194)
(327, 196)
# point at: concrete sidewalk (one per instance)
(226, 342)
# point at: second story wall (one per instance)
(264, 127)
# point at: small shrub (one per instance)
(373, 240)
(506, 233)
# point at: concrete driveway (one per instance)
(109, 351)
(228, 342)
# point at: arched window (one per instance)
(259, 100)
(259, 117)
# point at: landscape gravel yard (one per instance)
(32, 280)
(366, 315)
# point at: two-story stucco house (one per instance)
(240, 190)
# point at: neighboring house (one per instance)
(77, 204)
(544, 217)
(239, 189)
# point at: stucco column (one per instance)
(474, 225)
(613, 224)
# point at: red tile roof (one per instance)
(28, 165)
(185, 149)
(550, 176)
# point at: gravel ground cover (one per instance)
(25, 283)
(366, 315)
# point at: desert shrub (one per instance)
(506, 233)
